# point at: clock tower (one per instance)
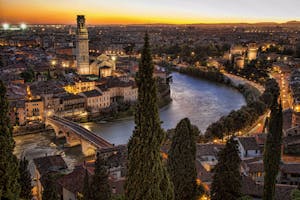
(82, 47)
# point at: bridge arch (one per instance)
(75, 134)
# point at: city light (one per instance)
(114, 58)
(53, 62)
(204, 197)
(5, 26)
(23, 26)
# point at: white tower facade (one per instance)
(82, 47)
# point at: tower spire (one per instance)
(82, 47)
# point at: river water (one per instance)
(203, 102)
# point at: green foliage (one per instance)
(271, 92)
(298, 50)
(9, 169)
(226, 179)
(28, 75)
(200, 190)
(86, 186)
(246, 115)
(99, 187)
(246, 198)
(118, 197)
(250, 93)
(25, 180)
(182, 161)
(129, 48)
(147, 177)
(272, 152)
(201, 52)
(49, 192)
(210, 74)
(49, 75)
(295, 194)
(255, 70)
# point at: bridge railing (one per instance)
(96, 140)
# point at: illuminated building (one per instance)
(252, 52)
(35, 109)
(80, 86)
(103, 66)
(82, 46)
(239, 62)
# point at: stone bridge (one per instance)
(75, 134)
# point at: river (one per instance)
(203, 102)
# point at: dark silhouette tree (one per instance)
(99, 187)
(147, 177)
(86, 186)
(9, 169)
(49, 192)
(272, 152)
(25, 180)
(226, 179)
(182, 161)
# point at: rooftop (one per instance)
(50, 164)
(248, 143)
(92, 93)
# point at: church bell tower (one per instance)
(82, 47)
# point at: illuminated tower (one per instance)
(252, 51)
(82, 46)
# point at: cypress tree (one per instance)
(226, 179)
(147, 177)
(25, 180)
(181, 161)
(49, 192)
(86, 186)
(9, 171)
(272, 152)
(99, 188)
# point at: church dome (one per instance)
(103, 57)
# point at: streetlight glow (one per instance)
(23, 26)
(5, 26)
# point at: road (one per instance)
(240, 80)
(282, 79)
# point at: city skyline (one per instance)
(146, 12)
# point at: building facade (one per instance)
(82, 46)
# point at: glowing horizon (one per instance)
(148, 12)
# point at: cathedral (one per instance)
(103, 66)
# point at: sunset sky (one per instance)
(148, 11)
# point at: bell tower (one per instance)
(82, 47)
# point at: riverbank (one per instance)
(245, 117)
(126, 111)
(202, 101)
(236, 121)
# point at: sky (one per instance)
(148, 11)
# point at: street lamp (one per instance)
(5, 26)
(23, 26)
(53, 62)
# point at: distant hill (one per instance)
(293, 23)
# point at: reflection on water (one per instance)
(201, 101)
